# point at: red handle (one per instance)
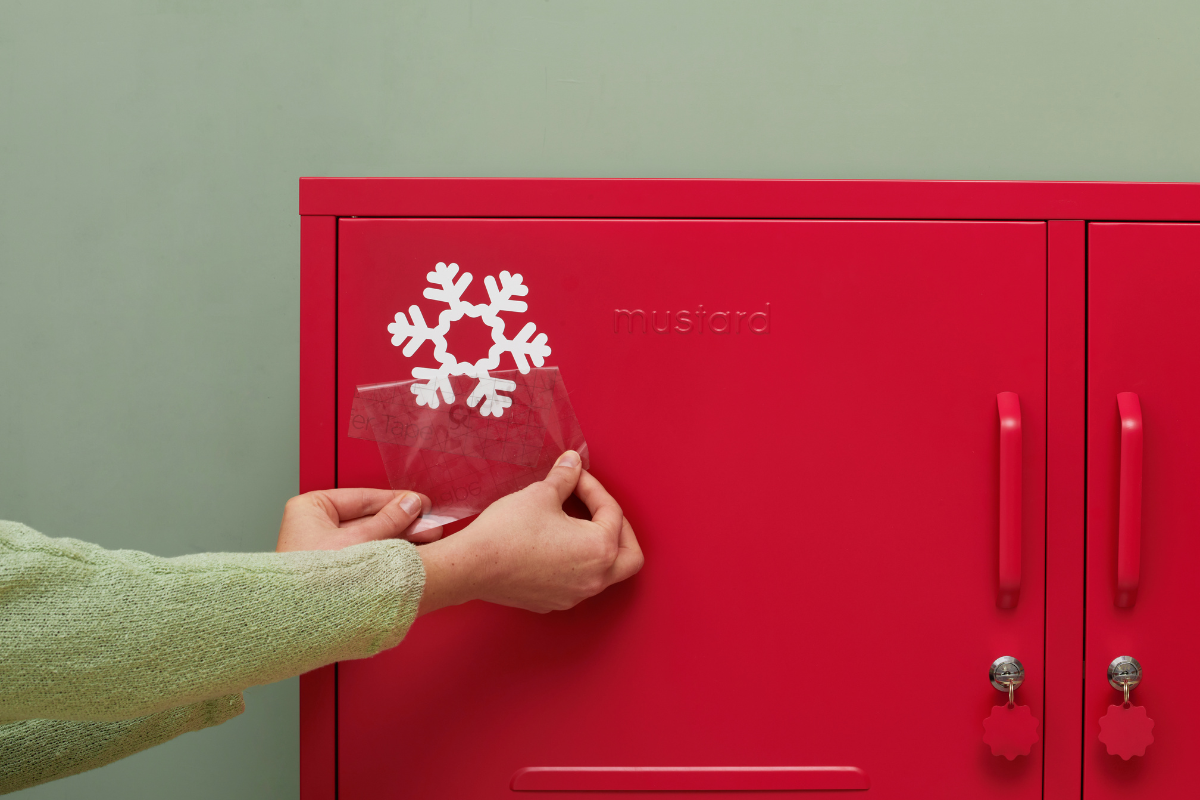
(1129, 513)
(1010, 499)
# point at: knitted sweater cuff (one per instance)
(394, 582)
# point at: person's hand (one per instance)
(524, 550)
(335, 518)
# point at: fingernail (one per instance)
(569, 459)
(411, 503)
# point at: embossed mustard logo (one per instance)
(631, 320)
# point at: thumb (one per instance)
(390, 521)
(565, 474)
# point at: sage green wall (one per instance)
(149, 153)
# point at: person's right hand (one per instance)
(524, 550)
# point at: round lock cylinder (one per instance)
(1006, 671)
(1124, 671)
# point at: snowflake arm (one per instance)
(435, 380)
(520, 347)
(510, 286)
(417, 332)
(451, 292)
(488, 389)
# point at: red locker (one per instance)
(792, 388)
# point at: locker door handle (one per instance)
(1010, 500)
(1129, 512)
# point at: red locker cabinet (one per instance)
(850, 423)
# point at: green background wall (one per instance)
(149, 153)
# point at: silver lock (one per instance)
(1006, 672)
(1124, 673)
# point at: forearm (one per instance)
(38, 750)
(92, 634)
(452, 574)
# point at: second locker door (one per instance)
(1143, 543)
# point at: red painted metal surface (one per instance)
(1009, 584)
(529, 197)
(1065, 440)
(690, 779)
(1144, 289)
(318, 353)
(818, 503)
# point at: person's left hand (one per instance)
(335, 518)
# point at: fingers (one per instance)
(607, 514)
(423, 530)
(629, 556)
(565, 474)
(392, 520)
(349, 504)
(604, 509)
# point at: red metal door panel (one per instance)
(1144, 337)
(818, 505)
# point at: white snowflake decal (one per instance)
(416, 332)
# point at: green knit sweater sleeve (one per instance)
(116, 636)
(94, 634)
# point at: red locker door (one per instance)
(817, 503)
(1144, 338)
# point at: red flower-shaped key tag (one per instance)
(1010, 731)
(1125, 731)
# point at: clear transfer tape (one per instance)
(459, 455)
